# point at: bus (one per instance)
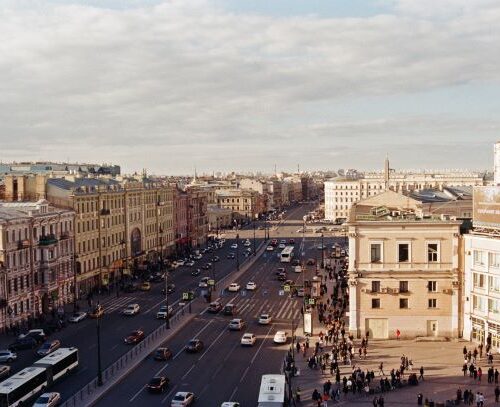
(287, 254)
(272, 391)
(27, 383)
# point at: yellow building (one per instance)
(403, 270)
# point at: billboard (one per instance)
(486, 207)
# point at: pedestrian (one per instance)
(375, 401)
(497, 394)
(381, 369)
(421, 373)
(398, 334)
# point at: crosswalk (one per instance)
(116, 304)
(283, 309)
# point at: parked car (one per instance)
(77, 317)
(234, 246)
(23, 343)
(48, 400)
(163, 353)
(180, 262)
(134, 337)
(131, 309)
(190, 263)
(4, 371)
(158, 384)
(48, 347)
(7, 356)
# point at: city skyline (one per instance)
(224, 85)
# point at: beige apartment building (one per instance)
(244, 203)
(403, 270)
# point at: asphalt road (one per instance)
(224, 370)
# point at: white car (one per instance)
(203, 282)
(270, 248)
(298, 269)
(162, 312)
(77, 317)
(230, 404)
(182, 398)
(234, 246)
(190, 263)
(281, 246)
(247, 243)
(48, 400)
(248, 339)
(265, 319)
(280, 337)
(233, 287)
(197, 256)
(251, 286)
(180, 262)
(131, 309)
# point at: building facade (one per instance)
(403, 270)
(36, 260)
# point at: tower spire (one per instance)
(387, 170)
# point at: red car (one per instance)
(274, 242)
(291, 241)
(134, 337)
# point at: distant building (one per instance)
(58, 169)
(497, 163)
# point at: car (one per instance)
(251, 286)
(162, 353)
(182, 399)
(236, 324)
(247, 243)
(265, 319)
(230, 404)
(280, 337)
(215, 259)
(297, 269)
(180, 262)
(157, 278)
(48, 400)
(37, 334)
(48, 347)
(231, 256)
(170, 289)
(291, 241)
(198, 256)
(233, 287)
(131, 288)
(214, 307)
(97, 312)
(274, 242)
(280, 270)
(27, 342)
(321, 247)
(158, 384)
(134, 337)
(131, 309)
(295, 262)
(270, 248)
(207, 266)
(145, 286)
(282, 277)
(190, 263)
(162, 312)
(196, 272)
(311, 262)
(203, 282)
(282, 241)
(4, 371)
(301, 292)
(194, 346)
(248, 339)
(7, 356)
(234, 246)
(281, 246)
(230, 309)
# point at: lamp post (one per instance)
(254, 245)
(237, 252)
(322, 252)
(75, 282)
(99, 367)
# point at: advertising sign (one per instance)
(307, 323)
(486, 207)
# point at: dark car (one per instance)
(38, 336)
(23, 343)
(130, 288)
(170, 289)
(158, 384)
(215, 259)
(311, 262)
(230, 309)
(196, 272)
(296, 262)
(163, 354)
(214, 307)
(194, 346)
(157, 278)
(291, 241)
(282, 277)
(207, 266)
(48, 347)
(134, 337)
(231, 256)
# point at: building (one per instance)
(341, 193)
(180, 222)
(403, 269)
(36, 260)
(244, 203)
(119, 225)
(197, 217)
(58, 169)
(219, 218)
(482, 270)
(497, 163)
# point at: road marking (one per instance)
(262, 344)
(168, 394)
(233, 393)
(161, 370)
(136, 394)
(212, 344)
(189, 371)
(114, 347)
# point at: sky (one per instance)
(229, 85)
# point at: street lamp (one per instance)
(237, 252)
(99, 367)
(75, 282)
(322, 252)
(254, 237)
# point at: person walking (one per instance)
(421, 373)
(497, 394)
(398, 334)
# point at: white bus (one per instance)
(287, 254)
(272, 391)
(29, 382)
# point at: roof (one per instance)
(63, 183)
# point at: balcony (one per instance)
(64, 235)
(23, 244)
(47, 240)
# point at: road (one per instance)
(224, 370)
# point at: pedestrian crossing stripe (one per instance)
(284, 309)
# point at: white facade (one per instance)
(482, 288)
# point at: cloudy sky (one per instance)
(247, 84)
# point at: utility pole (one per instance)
(99, 367)
(237, 252)
(254, 245)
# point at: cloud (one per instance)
(162, 86)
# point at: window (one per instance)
(403, 303)
(376, 252)
(478, 303)
(432, 252)
(478, 280)
(493, 305)
(403, 252)
(432, 303)
(375, 286)
(432, 286)
(403, 286)
(494, 283)
(478, 258)
(494, 260)
(375, 302)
